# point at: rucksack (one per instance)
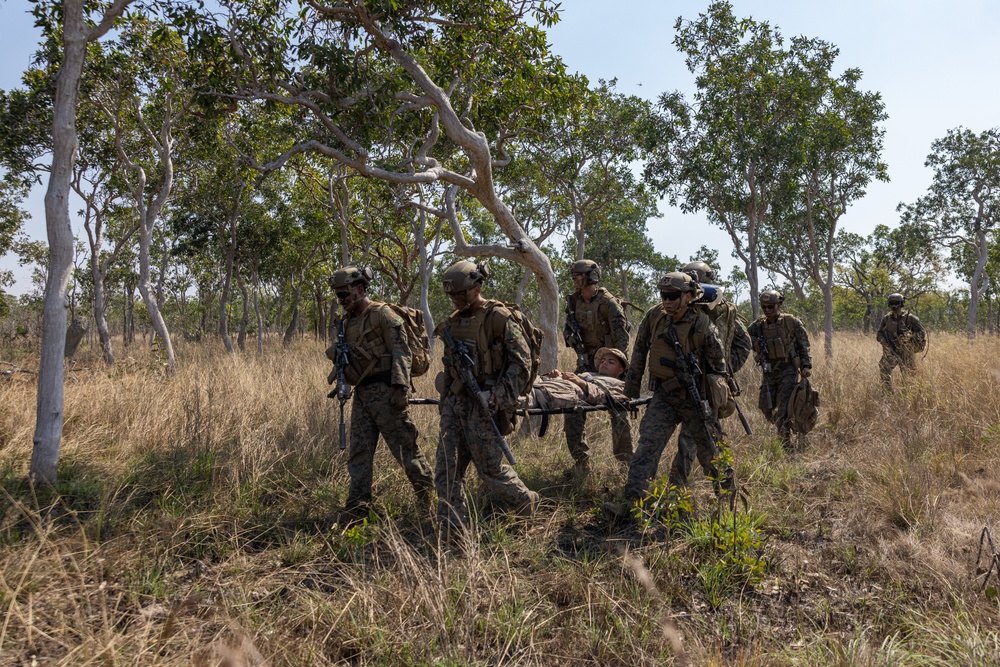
(803, 407)
(531, 333)
(416, 338)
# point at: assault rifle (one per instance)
(765, 367)
(734, 388)
(688, 373)
(576, 336)
(892, 340)
(464, 364)
(343, 390)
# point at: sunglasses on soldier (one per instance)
(342, 294)
(768, 306)
(670, 296)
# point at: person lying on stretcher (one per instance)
(562, 389)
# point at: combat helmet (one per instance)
(895, 299)
(464, 275)
(771, 297)
(350, 275)
(700, 271)
(588, 267)
(678, 281)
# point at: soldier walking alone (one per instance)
(902, 336)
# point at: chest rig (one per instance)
(896, 326)
(486, 349)
(780, 344)
(370, 352)
(594, 320)
(662, 355)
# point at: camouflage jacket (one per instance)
(602, 321)
(701, 339)
(787, 340)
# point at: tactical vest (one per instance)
(486, 346)
(894, 327)
(370, 352)
(780, 338)
(595, 320)
(660, 349)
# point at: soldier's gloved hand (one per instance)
(399, 396)
(806, 372)
(332, 377)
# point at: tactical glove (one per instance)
(806, 372)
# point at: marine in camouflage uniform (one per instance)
(602, 322)
(788, 352)
(502, 359)
(902, 336)
(671, 403)
(732, 334)
(379, 371)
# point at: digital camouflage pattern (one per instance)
(910, 337)
(602, 323)
(373, 414)
(736, 343)
(788, 351)
(670, 404)
(466, 434)
(380, 357)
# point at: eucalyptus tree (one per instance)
(617, 239)
(886, 261)
(961, 209)
(587, 151)
(77, 24)
(839, 134)
(732, 151)
(459, 81)
(142, 84)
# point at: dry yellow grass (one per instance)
(190, 528)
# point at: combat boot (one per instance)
(351, 516)
(580, 470)
(528, 509)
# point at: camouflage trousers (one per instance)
(467, 437)
(782, 381)
(372, 414)
(689, 447)
(907, 362)
(575, 426)
(665, 411)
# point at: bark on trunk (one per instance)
(49, 404)
(241, 338)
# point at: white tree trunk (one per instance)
(49, 405)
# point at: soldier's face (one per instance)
(675, 302)
(896, 306)
(462, 300)
(770, 311)
(349, 297)
(579, 280)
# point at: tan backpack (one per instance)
(416, 338)
(803, 407)
(532, 334)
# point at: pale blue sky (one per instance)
(935, 64)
